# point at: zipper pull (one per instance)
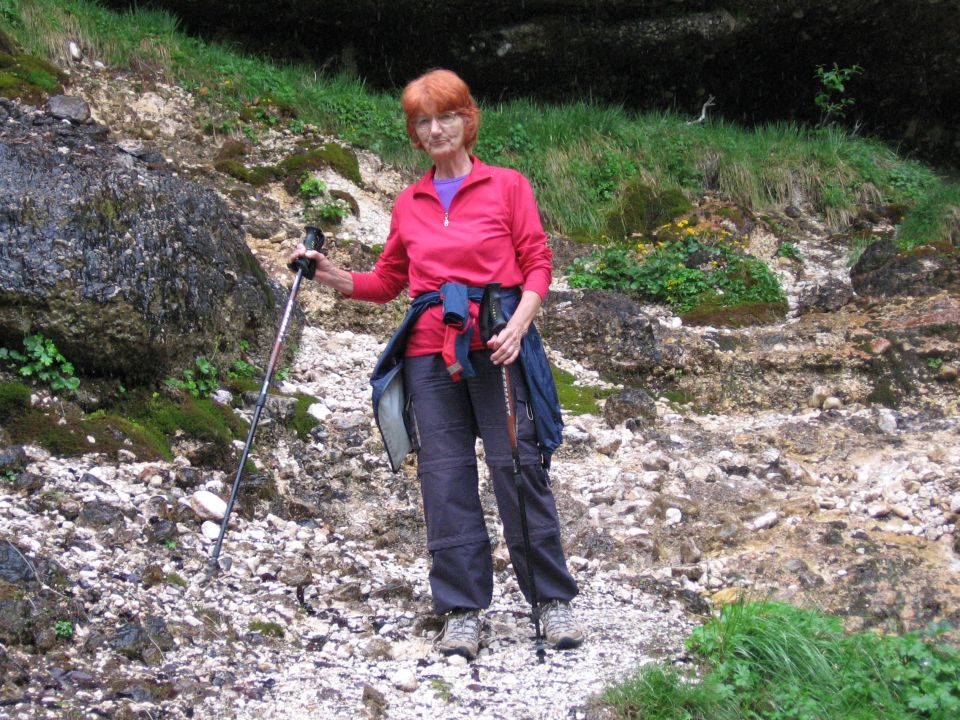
(446, 219)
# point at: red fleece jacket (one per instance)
(492, 233)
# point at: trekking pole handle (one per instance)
(313, 241)
(492, 321)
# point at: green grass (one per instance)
(577, 399)
(579, 156)
(935, 218)
(773, 661)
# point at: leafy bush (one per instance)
(690, 266)
(832, 99)
(42, 361)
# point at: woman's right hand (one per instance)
(327, 273)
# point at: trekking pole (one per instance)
(494, 312)
(305, 268)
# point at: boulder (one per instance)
(629, 404)
(884, 270)
(608, 328)
(131, 270)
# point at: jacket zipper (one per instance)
(446, 219)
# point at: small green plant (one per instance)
(200, 383)
(210, 126)
(170, 544)
(318, 205)
(241, 369)
(441, 688)
(333, 210)
(267, 628)
(63, 629)
(312, 187)
(9, 476)
(935, 363)
(832, 98)
(790, 251)
(42, 361)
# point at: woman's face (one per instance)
(441, 134)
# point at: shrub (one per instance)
(685, 266)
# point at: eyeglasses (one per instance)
(424, 123)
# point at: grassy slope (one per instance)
(577, 155)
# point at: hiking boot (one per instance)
(560, 628)
(461, 634)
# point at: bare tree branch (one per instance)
(703, 111)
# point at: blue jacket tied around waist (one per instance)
(389, 395)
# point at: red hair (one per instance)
(439, 91)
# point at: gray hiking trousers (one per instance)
(448, 417)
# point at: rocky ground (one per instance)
(791, 484)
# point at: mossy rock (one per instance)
(231, 150)
(257, 176)
(336, 157)
(576, 399)
(640, 209)
(884, 394)
(303, 422)
(292, 168)
(197, 418)
(99, 433)
(29, 78)
(14, 400)
(735, 316)
(143, 425)
(933, 249)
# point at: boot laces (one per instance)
(558, 617)
(464, 625)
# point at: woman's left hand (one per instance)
(505, 345)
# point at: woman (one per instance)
(468, 224)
